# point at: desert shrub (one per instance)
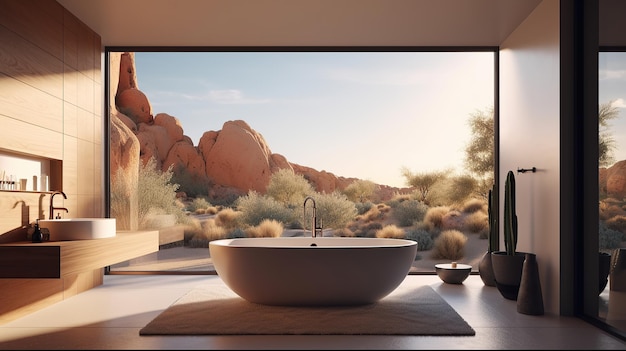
(255, 208)
(335, 210)
(155, 193)
(390, 231)
(617, 223)
(384, 208)
(609, 238)
(409, 212)
(474, 205)
(343, 232)
(450, 244)
(191, 229)
(453, 220)
(363, 207)
(434, 217)
(422, 237)
(227, 218)
(370, 229)
(451, 190)
(360, 190)
(199, 203)
(209, 231)
(288, 188)
(268, 228)
(236, 233)
(610, 208)
(192, 184)
(398, 198)
(477, 222)
(366, 230)
(372, 214)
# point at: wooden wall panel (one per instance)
(70, 85)
(31, 139)
(70, 165)
(26, 62)
(39, 22)
(51, 96)
(70, 120)
(25, 103)
(71, 28)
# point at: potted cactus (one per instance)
(507, 265)
(485, 268)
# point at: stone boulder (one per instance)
(183, 155)
(133, 103)
(237, 156)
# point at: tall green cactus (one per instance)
(510, 217)
(494, 237)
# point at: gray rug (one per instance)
(219, 311)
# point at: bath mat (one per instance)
(217, 310)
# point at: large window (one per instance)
(612, 188)
(230, 142)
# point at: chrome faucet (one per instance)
(52, 208)
(314, 228)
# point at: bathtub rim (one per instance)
(305, 242)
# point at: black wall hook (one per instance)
(524, 170)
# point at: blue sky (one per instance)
(363, 115)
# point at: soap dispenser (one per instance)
(37, 237)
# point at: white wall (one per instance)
(529, 137)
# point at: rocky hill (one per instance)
(233, 159)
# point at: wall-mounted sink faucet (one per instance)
(52, 208)
(314, 228)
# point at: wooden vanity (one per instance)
(36, 275)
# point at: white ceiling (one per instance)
(301, 22)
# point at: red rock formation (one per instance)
(238, 157)
(235, 159)
(615, 182)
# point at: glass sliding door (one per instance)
(612, 188)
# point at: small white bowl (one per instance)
(453, 273)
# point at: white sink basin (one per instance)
(79, 228)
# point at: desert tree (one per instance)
(480, 151)
(360, 190)
(423, 182)
(608, 111)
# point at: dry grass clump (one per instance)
(434, 217)
(453, 220)
(474, 205)
(383, 208)
(450, 244)
(617, 223)
(344, 232)
(477, 222)
(268, 228)
(390, 231)
(212, 230)
(372, 214)
(227, 218)
(610, 208)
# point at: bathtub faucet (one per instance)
(314, 228)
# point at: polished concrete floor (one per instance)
(111, 315)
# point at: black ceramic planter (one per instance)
(485, 270)
(604, 270)
(507, 272)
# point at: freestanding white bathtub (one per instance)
(305, 271)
